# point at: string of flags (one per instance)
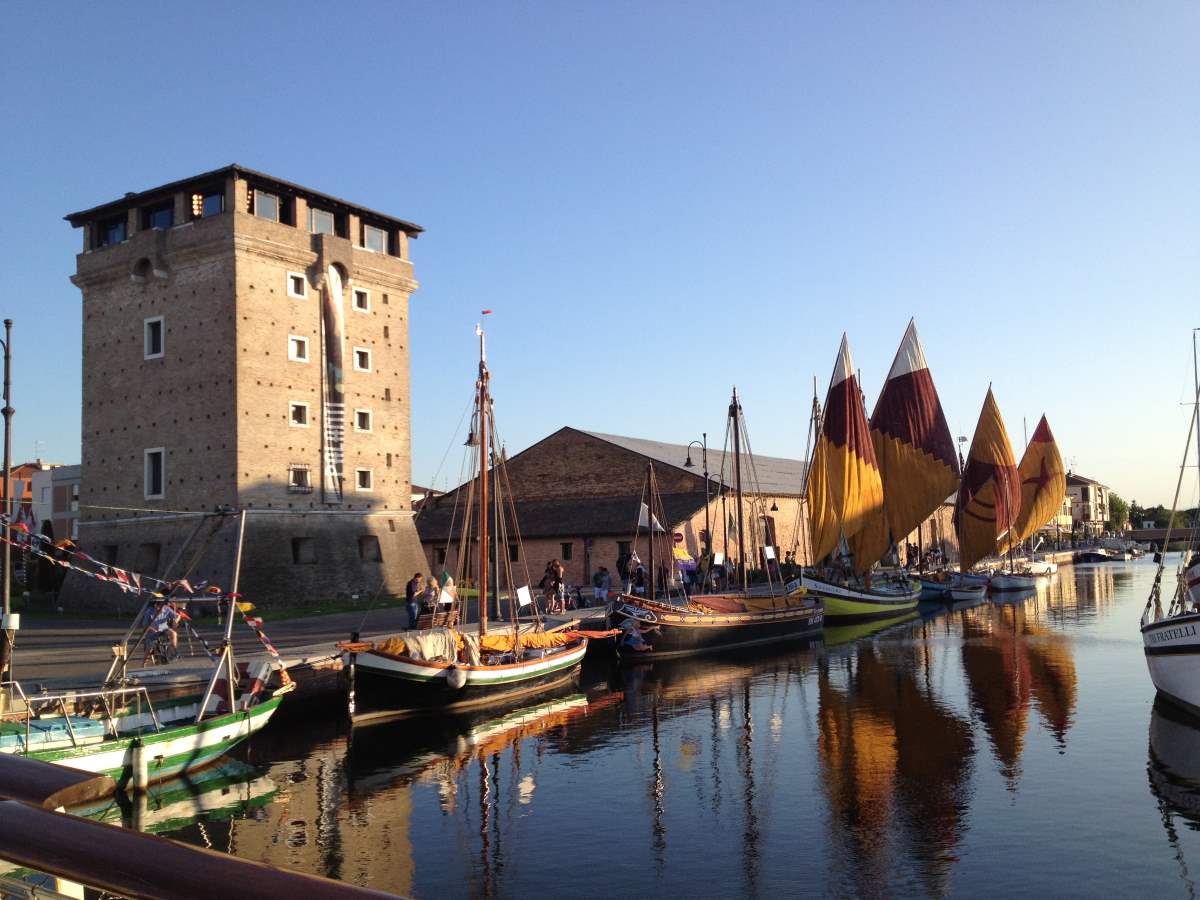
(65, 554)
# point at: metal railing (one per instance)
(108, 699)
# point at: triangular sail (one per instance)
(989, 497)
(844, 490)
(1043, 485)
(914, 448)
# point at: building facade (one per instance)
(56, 491)
(577, 496)
(1089, 504)
(245, 345)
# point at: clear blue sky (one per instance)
(661, 200)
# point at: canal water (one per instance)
(1011, 747)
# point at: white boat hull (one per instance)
(1172, 648)
(1013, 582)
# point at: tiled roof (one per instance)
(775, 474)
(560, 518)
(1072, 478)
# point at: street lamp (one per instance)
(688, 464)
(7, 411)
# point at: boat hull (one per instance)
(968, 592)
(1094, 556)
(845, 604)
(683, 632)
(170, 752)
(391, 685)
(1014, 582)
(1172, 648)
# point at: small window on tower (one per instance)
(304, 551)
(362, 300)
(154, 472)
(299, 414)
(265, 204)
(207, 203)
(321, 221)
(363, 480)
(362, 359)
(368, 548)
(374, 239)
(160, 216)
(362, 420)
(297, 285)
(299, 481)
(297, 348)
(153, 337)
(110, 231)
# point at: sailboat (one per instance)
(989, 497)
(126, 738)
(750, 614)
(1043, 487)
(446, 668)
(1171, 638)
(872, 484)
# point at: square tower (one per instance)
(245, 345)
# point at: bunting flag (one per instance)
(989, 497)
(853, 491)
(1043, 485)
(914, 448)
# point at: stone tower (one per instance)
(245, 345)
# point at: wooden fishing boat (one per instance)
(965, 591)
(871, 484)
(446, 668)
(683, 625)
(1014, 581)
(115, 730)
(1171, 637)
(989, 496)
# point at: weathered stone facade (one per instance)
(215, 384)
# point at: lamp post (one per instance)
(6, 644)
(688, 464)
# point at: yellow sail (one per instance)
(914, 449)
(851, 494)
(1043, 485)
(989, 496)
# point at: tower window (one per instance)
(364, 480)
(152, 331)
(111, 231)
(566, 547)
(297, 348)
(208, 203)
(362, 359)
(304, 551)
(299, 481)
(297, 285)
(368, 548)
(298, 414)
(265, 205)
(153, 472)
(362, 420)
(321, 221)
(362, 300)
(374, 239)
(160, 216)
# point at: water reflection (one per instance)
(895, 764)
(1012, 655)
(1174, 771)
(707, 776)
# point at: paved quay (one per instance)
(68, 652)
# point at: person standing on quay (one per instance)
(411, 591)
(602, 581)
(623, 570)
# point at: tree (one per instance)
(1118, 513)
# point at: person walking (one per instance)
(601, 582)
(623, 560)
(557, 586)
(411, 591)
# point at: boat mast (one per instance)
(735, 414)
(1196, 387)
(483, 483)
(649, 529)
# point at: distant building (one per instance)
(577, 494)
(1089, 504)
(56, 502)
(22, 479)
(245, 345)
